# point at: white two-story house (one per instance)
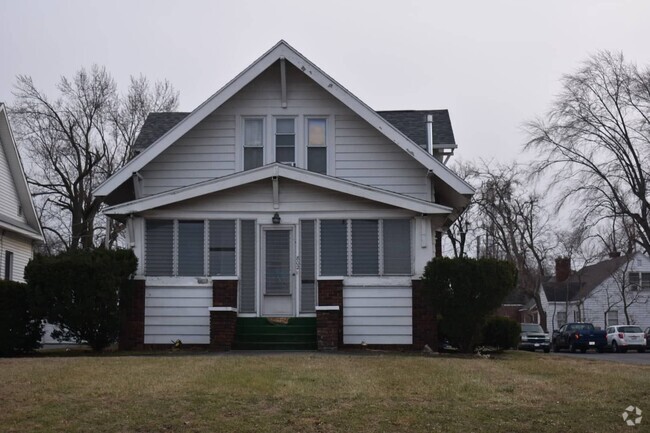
(285, 196)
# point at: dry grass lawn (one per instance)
(314, 392)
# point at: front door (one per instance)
(278, 273)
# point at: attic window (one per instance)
(285, 141)
(253, 143)
(316, 146)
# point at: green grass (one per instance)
(314, 392)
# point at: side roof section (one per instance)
(33, 228)
(279, 51)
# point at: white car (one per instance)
(620, 338)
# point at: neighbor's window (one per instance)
(191, 249)
(576, 316)
(253, 143)
(612, 318)
(9, 265)
(561, 318)
(316, 145)
(222, 247)
(285, 141)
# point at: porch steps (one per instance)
(258, 333)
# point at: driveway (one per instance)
(625, 358)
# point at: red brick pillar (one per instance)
(223, 318)
(424, 317)
(329, 318)
(132, 315)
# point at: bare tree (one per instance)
(595, 142)
(76, 141)
(515, 220)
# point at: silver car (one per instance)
(620, 338)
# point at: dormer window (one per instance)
(285, 141)
(253, 143)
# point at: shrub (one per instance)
(21, 327)
(79, 292)
(464, 292)
(501, 332)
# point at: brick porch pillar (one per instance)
(424, 317)
(132, 315)
(329, 315)
(223, 314)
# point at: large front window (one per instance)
(365, 247)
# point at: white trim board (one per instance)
(278, 170)
(283, 50)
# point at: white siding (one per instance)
(377, 315)
(9, 203)
(356, 150)
(177, 313)
(205, 152)
(23, 252)
(366, 156)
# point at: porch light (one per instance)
(276, 218)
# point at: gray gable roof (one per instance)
(410, 122)
(581, 283)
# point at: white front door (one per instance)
(278, 271)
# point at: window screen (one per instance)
(397, 247)
(307, 267)
(333, 247)
(365, 247)
(191, 248)
(159, 247)
(248, 267)
(222, 247)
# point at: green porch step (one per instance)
(258, 333)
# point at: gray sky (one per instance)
(494, 64)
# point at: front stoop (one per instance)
(258, 333)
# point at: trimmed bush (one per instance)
(21, 327)
(501, 332)
(464, 292)
(79, 292)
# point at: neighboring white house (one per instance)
(284, 195)
(19, 226)
(596, 293)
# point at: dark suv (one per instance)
(533, 337)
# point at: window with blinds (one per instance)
(191, 248)
(307, 267)
(365, 247)
(222, 247)
(248, 267)
(333, 247)
(159, 247)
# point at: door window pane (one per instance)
(278, 261)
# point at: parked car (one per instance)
(533, 337)
(620, 338)
(579, 336)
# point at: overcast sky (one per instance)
(493, 64)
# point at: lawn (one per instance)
(315, 392)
